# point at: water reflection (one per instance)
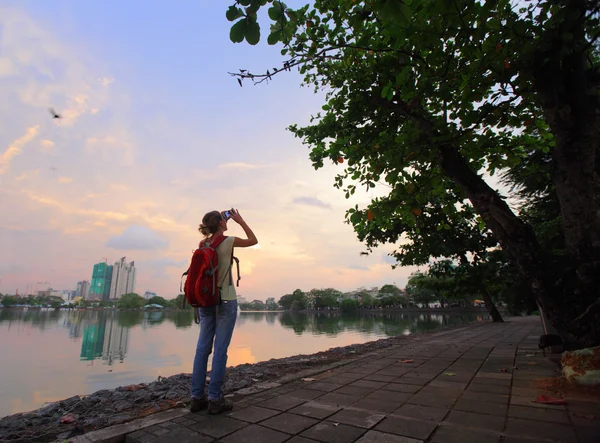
(83, 351)
(378, 323)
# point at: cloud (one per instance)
(242, 166)
(358, 267)
(137, 238)
(28, 174)
(14, 148)
(111, 148)
(311, 201)
(389, 259)
(65, 179)
(47, 145)
(105, 81)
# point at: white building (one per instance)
(123, 279)
(83, 289)
(241, 300)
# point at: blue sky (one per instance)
(156, 133)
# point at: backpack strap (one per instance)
(237, 264)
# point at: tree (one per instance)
(179, 302)
(156, 300)
(325, 298)
(297, 297)
(429, 95)
(419, 290)
(9, 300)
(131, 301)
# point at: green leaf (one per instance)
(252, 33)
(236, 35)
(233, 13)
(274, 38)
(275, 13)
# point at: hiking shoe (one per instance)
(198, 404)
(216, 407)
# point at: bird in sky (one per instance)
(54, 113)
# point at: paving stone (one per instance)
(481, 407)
(255, 434)
(306, 394)
(421, 412)
(456, 434)
(354, 390)
(528, 401)
(333, 433)
(282, 402)
(252, 414)
(490, 398)
(290, 423)
(493, 381)
(334, 398)
(487, 388)
(494, 375)
(371, 404)
(182, 435)
(398, 387)
(379, 377)
(473, 420)
(588, 434)
(429, 400)
(298, 439)
(447, 384)
(389, 396)
(219, 426)
(536, 429)
(382, 437)
(139, 437)
(315, 409)
(368, 384)
(407, 427)
(324, 386)
(357, 417)
(405, 380)
(538, 414)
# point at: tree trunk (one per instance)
(491, 307)
(518, 239)
(569, 97)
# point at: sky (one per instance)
(154, 134)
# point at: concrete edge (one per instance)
(117, 433)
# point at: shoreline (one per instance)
(85, 413)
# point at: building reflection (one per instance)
(103, 338)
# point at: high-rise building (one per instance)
(123, 278)
(101, 279)
(83, 289)
(148, 295)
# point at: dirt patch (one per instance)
(565, 389)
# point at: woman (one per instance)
(217, 322)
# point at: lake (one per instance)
(51, 355)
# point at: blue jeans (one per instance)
(216, 323)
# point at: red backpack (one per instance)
(200, 289)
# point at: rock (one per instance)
(49, 410)
(70, 402)
(122, 405)
(117, 419)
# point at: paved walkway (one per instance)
(455, 390)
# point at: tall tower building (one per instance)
(123, 278)
(101, 279)
(83, 289)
